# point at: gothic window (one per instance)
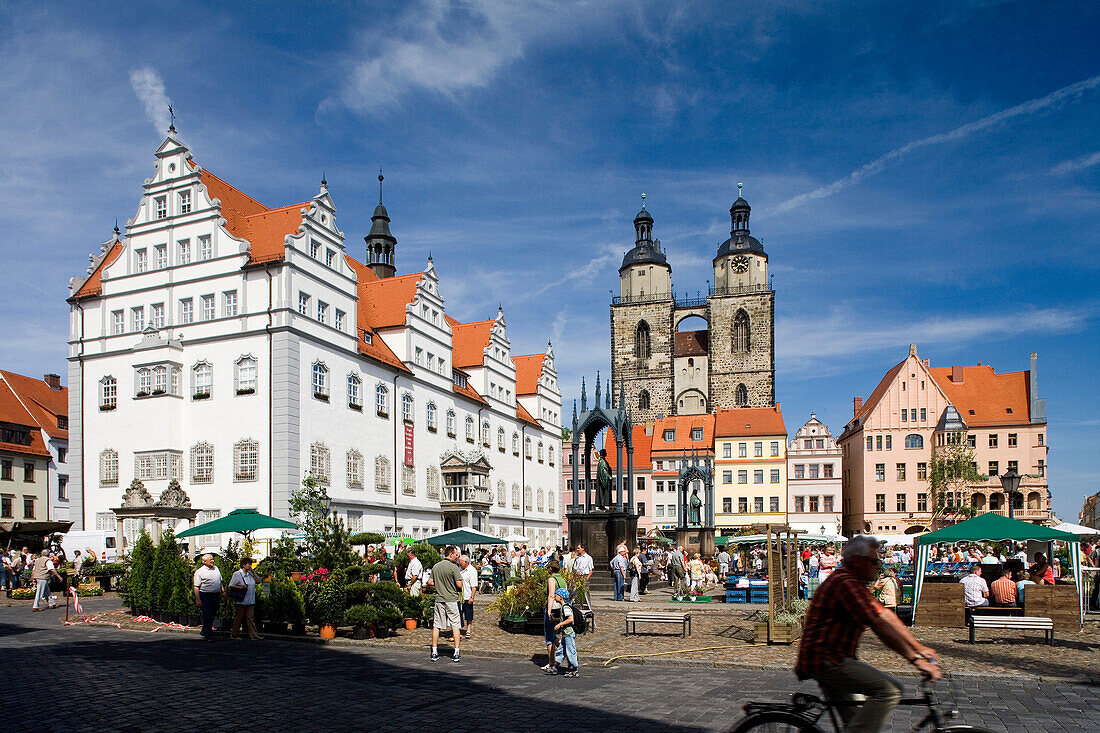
(641, 341)
(320, 381)
(539, 449)
(245, 460)
(382, 474)
(515, 444)
(485, 433)
(643, 400)
(202, 463)
(382, 400)
(108, 468)
(742, 396)
(450, 423)
(320, 463)
(408, 480)
(355, 469)
(431, 419)
(551, 455)
(740, 339)
(469, 429)
(500, 439)
(407, 407)
(527, 448)
(550, 501)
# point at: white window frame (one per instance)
(355, 469)
(183, 252)
(245, 375)
(206, 248)
(202, 463)
(209, 307)
(246, 460)
(187, 311)
(108, 393)
(382, 400)
(156, 316)
(202, 380)
(229, 303)
(355, 391)
(319, 380)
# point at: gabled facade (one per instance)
(814, 467)
(888, 446)
(675, 439)
(29, 456)
(47, 403)
(236, 348)
(750, 468)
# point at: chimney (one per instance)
(53, 380)
(957, 374)
(857, 404)
(926, 363)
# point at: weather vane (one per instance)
(739, 185)
(172, 114)
(643, 200)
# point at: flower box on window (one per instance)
(500, 448)
(432, 429)
(321, 396)
(142, 394)
(515, 453)
(486, 443)
(450, 433)
(106, 408)
(355, 406)
(158, 392)
(383, 413)
(246, 390)
(469, 440)
(201, 396)
(407, 421)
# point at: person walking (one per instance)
(619, 567)
(698, 570)
(469, 590)
(677, 571)
(7, 574)
(209, 591)
(446, 577)
(643, 580)
(886, 589)
(635, 574)
(41, 570)
(243, 587)
(549, 633)
(567, 650)
(723, 565)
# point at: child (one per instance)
(567, 649)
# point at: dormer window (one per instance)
(161, 207)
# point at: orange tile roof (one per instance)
(642, 445)
(749, 421)
(11, 411)
(880, 390)
(43, 403)
(94, 284)
(988, 394)
(524, 416)
(469, 341)
(528, 371)
(377, 348)
(246, 218)
(382, 301)
(683, 425)
(691, 343)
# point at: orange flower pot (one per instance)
(410, 623)
(328, 631)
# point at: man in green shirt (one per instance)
(447, 579)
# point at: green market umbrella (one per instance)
(464, 536)
(243, 521)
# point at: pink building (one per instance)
(887, 447)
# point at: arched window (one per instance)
(355, 469)
(515, 444)
(528, 498)
(527, 448)
(320, 381)
(202, 463)
(542, 499)
(742, 396)
(450, 423)
(551, 455)
(469, 429)
(108, 393)
(500, 439)
(643, 400)
(977, 501)
(355, 392)
(407, 407)
(382, 474)
(431, 416)
(642, 341)
(320, 463)
(108, 468)
(485, 433)
(914, 440)
(246, 375)
(382, 400)
(740, 335)
(246, 460)
(1034, 502)
(515, 496)
(539, 449)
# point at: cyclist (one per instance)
(841, 608)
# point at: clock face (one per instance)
(740, 264)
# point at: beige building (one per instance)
(750, 468)
(888, 446)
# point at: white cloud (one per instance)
(1077, 164)
(149, 88)
(959, 133)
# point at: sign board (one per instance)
(408, 445)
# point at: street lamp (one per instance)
(1010, 482)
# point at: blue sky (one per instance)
(925, 174)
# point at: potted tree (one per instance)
(329, 606)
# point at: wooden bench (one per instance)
(1013, 622)
(658, 617)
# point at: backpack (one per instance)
(580, 621)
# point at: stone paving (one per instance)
(102, 678)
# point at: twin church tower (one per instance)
(665, 370)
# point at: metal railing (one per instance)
(636, 299)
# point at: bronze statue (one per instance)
(694, 506)
(603, 481)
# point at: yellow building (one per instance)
(750, 468)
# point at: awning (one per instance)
(463, 536)
(991, 527)
(242, 521)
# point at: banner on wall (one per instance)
(408, 445)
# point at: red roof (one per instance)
(246, 218)
(11, 411)
(382, 301)
(691, 343)
(94, 284)
(683, 425)
(469, 341)
(44, 404)
(988, 394)
(528, 371)
(642, 445)
(524, 416)
(749, 421)
(880, 390)
(377, 348)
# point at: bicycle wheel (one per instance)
(965, 729)
(775, 722)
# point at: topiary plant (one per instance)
(141, 567)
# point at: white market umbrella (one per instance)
(516, 538)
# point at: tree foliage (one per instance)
(141, 568)
(952, 469)
(327, 540)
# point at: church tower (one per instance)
(381, 245)
(642, 327)
(742, 319)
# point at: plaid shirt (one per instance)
(840, 611)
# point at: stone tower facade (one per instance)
(730, 364)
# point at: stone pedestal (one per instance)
(600, 532)
(696, 539)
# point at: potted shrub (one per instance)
(137, 580)
(329, 605)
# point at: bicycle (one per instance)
(802, 713)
